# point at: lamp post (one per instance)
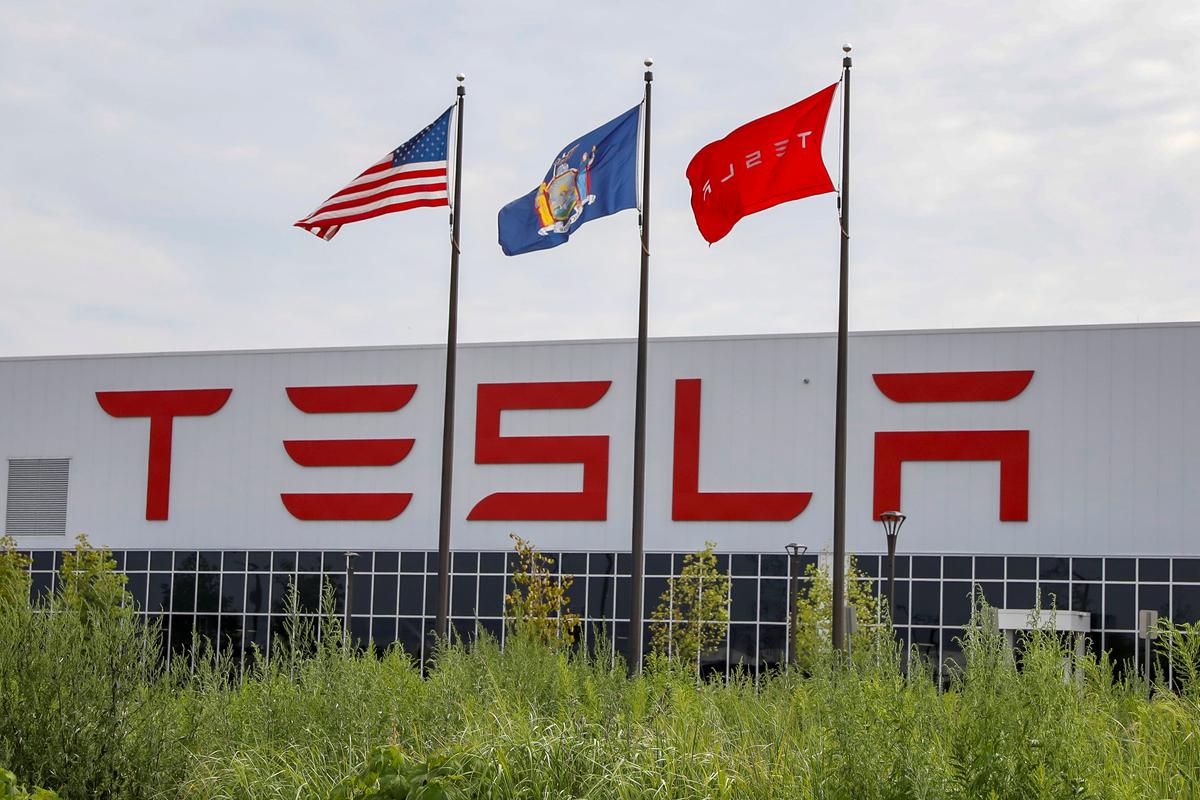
(892, 520)
(350, 556)
(794, 552)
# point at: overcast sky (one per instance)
(1019, 163)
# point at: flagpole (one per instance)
(839, 456)
(639, 425)
(443, 607)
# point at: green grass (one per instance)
(87, 709)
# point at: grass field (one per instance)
(87, 709)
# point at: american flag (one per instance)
(411, 176)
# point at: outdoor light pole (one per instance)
(350, 556)
(892, 520)
(794, 552)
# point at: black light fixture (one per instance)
(892, 520)
(794, 552)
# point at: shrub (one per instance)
(538, 604)
(693, 611)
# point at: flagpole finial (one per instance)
(649, 62)
(460, 77)
(846, 48)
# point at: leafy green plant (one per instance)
(9, 788)
(538, 603)
(814, 610)
(390, 775)
(693, 611)
(14, 574)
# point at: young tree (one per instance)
(89, 583)
(814, 615)
(538, 602)
(693, 612)
(14, 575)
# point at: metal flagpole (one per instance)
(639, 425)
(443, 608)
(839, 436)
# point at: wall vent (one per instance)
(37, 497)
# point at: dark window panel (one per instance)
(258, 561)
(41, 587)
(412, 595)
(602, 563)
(743, 605)
(1154, 569)
(136, 560)
(869, 565)
(183, 593)
(624, 563)
(926, 641)
(806, 562)
(462, 595)
(256, 632)
(1022, 567)
(772, 600)
(658, 563)
(1087, 569)
(360, 632)
(207, 627)
(384, 594)
(653, 594)
(308, 561)
(432, 559)
(161, 561)
(181, 634)
(1118, 569)
(989, 568)
(338, 582)
(743, 646)
(464, 628)
(600, 597)
(1089, 597)
(900, 611)
(383, 632)
(723, 563)
(774, 564)
(1020, 594)
(622, 597)
(363, 562)
(118, 557)
(208, 594)
(43, 560)
(514, 563)
(1054, 568)
(491, 596)
(771, 641)
(957, 566)
(491, 563)
(1155, 598)
(283, 561)
(431, 595)
(387, 561)
(926, 602)
(577, 596)
(1119, 610)
(1054, 595)
(209, 561)
(1123, 648)
(956, 602)
(926, 567)
(231, 634)
(993, 593)
(135, 584)
(333, 561)
(465, 562)
(280, 591)
(903, 566)
(575, 563)
(308, 587)
(360, 593)
(258, 593)
(415, 562)
(233, 561)
(494, 629)
(743, 564)
(677, 561)
(1187, 604)
(233, 591)
(409, 634)
(1187, 570)
(185, 560)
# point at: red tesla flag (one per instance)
(766, 162)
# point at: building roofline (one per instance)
(622, 340)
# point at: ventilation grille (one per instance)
(37, 497)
